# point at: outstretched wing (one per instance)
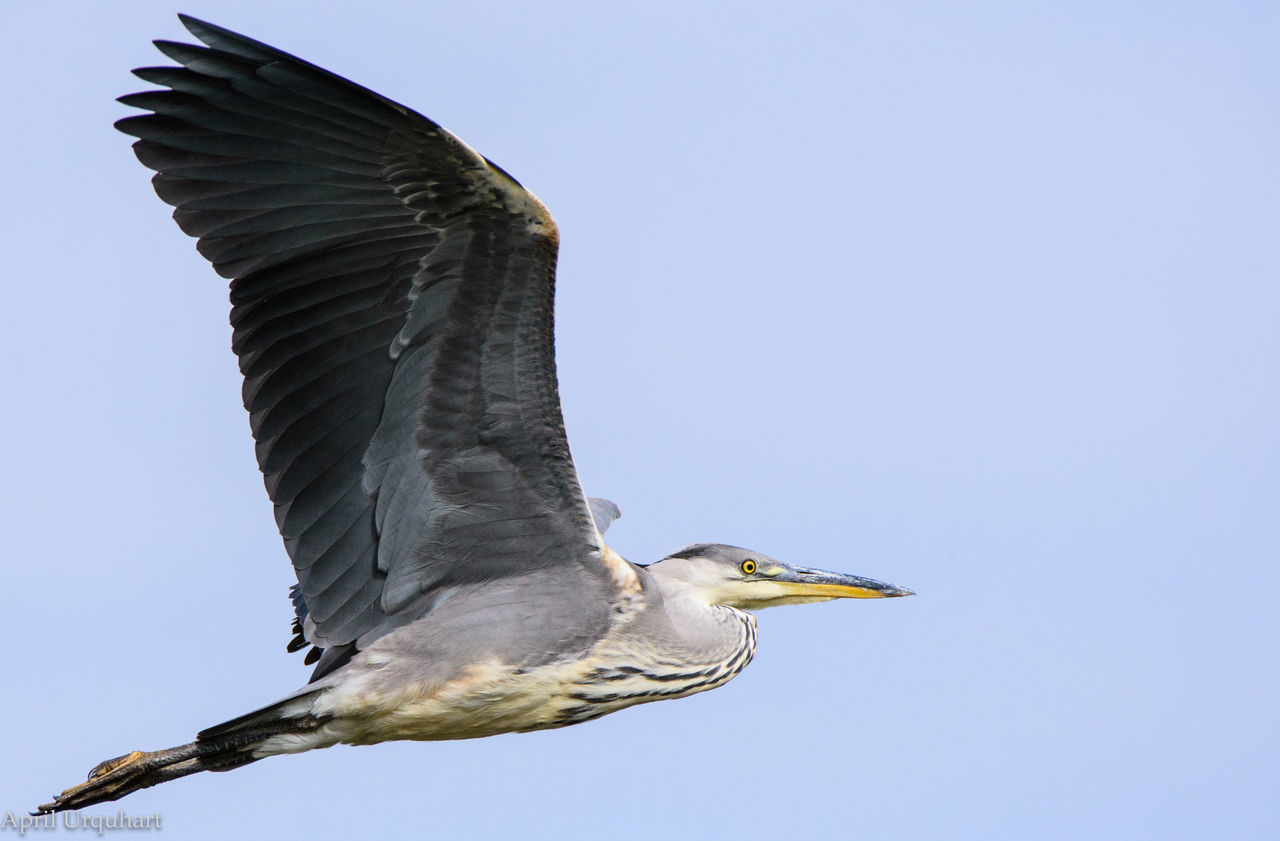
(391, 300)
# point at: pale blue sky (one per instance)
(982, 302)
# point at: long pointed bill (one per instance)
(802, 583)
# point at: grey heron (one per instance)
(391, 295)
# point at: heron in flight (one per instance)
(391, 299)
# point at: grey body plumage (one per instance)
(392, 297)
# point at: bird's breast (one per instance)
(629, 669)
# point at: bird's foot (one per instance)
(108, 780)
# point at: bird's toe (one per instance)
(108, 765)
(107, 781)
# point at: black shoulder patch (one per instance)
(693, 551)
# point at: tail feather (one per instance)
(221, 748)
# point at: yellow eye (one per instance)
(748, 566)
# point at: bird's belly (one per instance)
(487, 699)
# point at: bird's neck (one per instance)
(669, 650)
(687, 645)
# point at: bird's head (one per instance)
(714, 573)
